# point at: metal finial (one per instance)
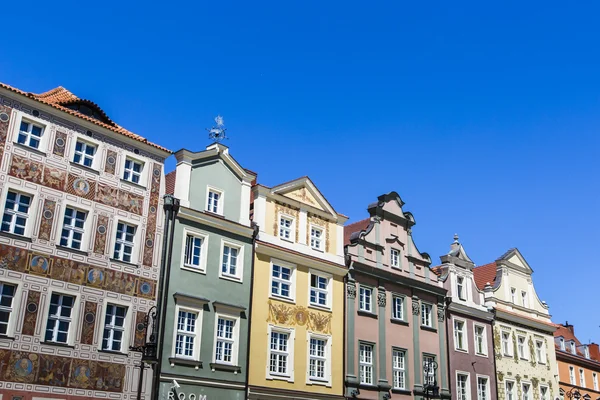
(456, 238)
(217, 133)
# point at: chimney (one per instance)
(594, 351)
(570, 327)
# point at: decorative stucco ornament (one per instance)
(381, 300)
(415, 307)
(351, 291)
(441, 313)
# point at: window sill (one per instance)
(230, 278)
(281, 298)
(481, 355)
(367, 386)
(225, 367)
(401, 391)
(194, 269)
(367, 314)
(319, 383)
(398, 321)
(136, 185)
(184, 361)
(319, 307)
(16, 237)
(58, 344)
(214, 214)
(319, 250)
(31, 149)
(287, 240)
(114, 260)
(72, 250)
(428, 328)
(280, 378)
(84, 167)
(117, 353)
(461, 350)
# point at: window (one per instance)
(526, 391)
(395, 258)
(398, 307)
(365, 297)
(279, 354)
(462, 386)
(510, 390)
(316, 238)
(133, 170)
(426, 314)
(506, 349)
(429, 377)
(319, 290)
(214, 201)
(482, 388)
(540, 352)
(7, 293)
(513, 295)
(229, 267)
(572, 375)
(399, 369)
(460, 287)
(225, 342)
(480, 340)
(317, 359)
(59, 318)
(193, 251)
(562, 344)
(521, 348)
(84, 153)
(460, 341)
(186, 336)
(30, 134)
(124, 242)
(581, 378)
(281, 281)
(544, 393)
(16, 212)
(73, 229)
(524, 299)
(285, 227)
(595, 380)
(114, 327)
(573, 348)
(366, 364)
(586, 352)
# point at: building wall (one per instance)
(39, 267)
(566, 361)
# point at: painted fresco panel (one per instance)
(31, 312)
(60, 144)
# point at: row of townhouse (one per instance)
(269, 294)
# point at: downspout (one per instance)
(448, 302)
(493, 347)
(254, 235)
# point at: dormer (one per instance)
(572, 347)
(561, 342)
(586, 351)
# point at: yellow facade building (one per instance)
(297, 327)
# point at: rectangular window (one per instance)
(521, 347)
(399, 369)
(16, 212)
(72, 232)
(506, 349)
(30, 134)
(229, 266)
(124, 242)
(395, 258)
(59, 318)
(366, 364)
(510, 390)
(544, 393)
(480, 340)
(133, 171)
(317, 365)
(586, 352)
(84, 153)
(279, 354)
(281, 281)
(426, 314)
(482, 388)
(540, 352)
(186, 334)
(513, 295)
(573, 348)
(562, 344)
(429, 377)
(459, 335)
(526, 391)
(285, 228)
(462, 387)
(7, 294)
(225, 340)
(316, 238)
(595, 379)
(572, 375)
(193, 251)
(460, 287)
(365, 297)
(524, 299)
(319, 290)
(114, 327)
(398, 307)
(581, 378)
(214, 201)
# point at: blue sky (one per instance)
(483, 117)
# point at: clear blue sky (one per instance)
(484, 117)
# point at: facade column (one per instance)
(443, 364)
(382, 383)
(418, 369)
(351, 378)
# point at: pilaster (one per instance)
(351, 378)
(382, 383)
(416, 311)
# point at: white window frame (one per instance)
(289, 375)
(201, 268)
(363, 363)
(142, 174)
(467, 388)
(509, 347)
(586, 352)
(85, 231)
(362, 293)
(595, 380)
(326, 381)
(135, 252)
(547, 397)
(573, 347)
(426, 314)
(402, 300)
(328, 291)
(320, 240)
(86, 143)
(463, 332)
(126, 340)
(13, 318)
(488, 394)
(74, 323)
(562, 343)
(239, 266)
(581, 377)
(461, 289)
(395, 258)
(572, 378)
(292, 227)
(522, 351)
(513, 295)
(427, 375)
(530, 392)
(220, 202)
(399, 369)
(513, 391)
(197, 331)
(483, 340)
(541, 358)
(15, 213)
(524, 299)
(235, 340)
(292, 281)
(42, 145)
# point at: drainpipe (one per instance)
(254, 235)
(448, 302)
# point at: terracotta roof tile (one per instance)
(59, 97)
(566, 333)
(355, 227)
(437, 270)
(170, 182)
(484, 274)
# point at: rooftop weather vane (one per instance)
(217, 133)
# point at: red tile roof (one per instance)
(355, 227)
(60, 97)
(170, 182)
(484, 274)
(437, 270)
(566, 333)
